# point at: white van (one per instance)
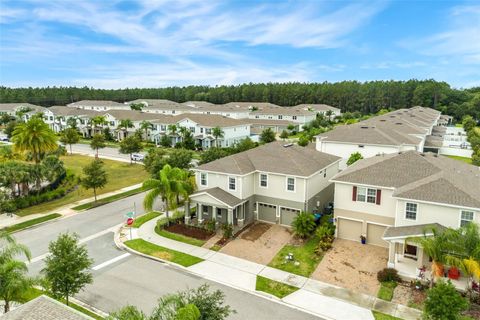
(137, 157)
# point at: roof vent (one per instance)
(383, 120)
(398, 123)
(364, 127)
(288, 145)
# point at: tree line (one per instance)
(350, 96)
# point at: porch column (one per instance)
(230, 216)
(214, 213)
(187, 212)
(420, 257)
(392, 249)
(241, 209)
(199, 213)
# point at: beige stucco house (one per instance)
(271, 183)
(390, 198)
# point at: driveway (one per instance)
(258, 243)
(352, 265)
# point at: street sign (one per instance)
(129, 214)
(129, 221)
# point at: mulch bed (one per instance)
(256, 231)
(193, 232)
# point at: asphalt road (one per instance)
(123, 279)
(108, 152)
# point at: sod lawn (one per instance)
(278, 289)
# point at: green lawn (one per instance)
(275, 288)
(464, 159)
(179, 237)
(120, 175)
(304, 254)
(382, 316)
(144, 218)
(216, 247)
(386, 290)
(153, 250)
(106, 200)
(29, 223)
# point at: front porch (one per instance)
(220, 206)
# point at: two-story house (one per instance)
(390, 198)
(270, 183)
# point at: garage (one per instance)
(267, 212)
(349, 229)
(375, 234)
(287, 215)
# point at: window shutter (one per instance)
(379, 196)
(354, 194)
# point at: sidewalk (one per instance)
(314, 296)
(65, 211)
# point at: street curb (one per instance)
(89, 307)
(261, 294)
(37, 224)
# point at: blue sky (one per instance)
(148, 43)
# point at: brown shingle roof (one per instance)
(275, 158)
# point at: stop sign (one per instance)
(129, 221)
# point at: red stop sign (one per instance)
(129, 221)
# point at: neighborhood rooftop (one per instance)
(275, 157)
(420, 176)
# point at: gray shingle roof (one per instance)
(133, 115)
(14, 105)
(44, 308)
(221, 195)
(275, 158)
(105, 103)
(412, 231)
(419, 176)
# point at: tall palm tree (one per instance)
(124, 125)
(217, 133)
(189, 186)
(35, 137)
(146, 126)
(172, 130)
(329, 114)
(98, 122)
(167, 186)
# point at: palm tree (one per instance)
(189, 186)
(34, 137)
(98, 121)
(10, 248)
(146, 126)
(124, 125)
(72, 122)
(217, 132)
(172, 129)
(167, 186)
(329, 114)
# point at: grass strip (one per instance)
(144, 218)
(464, 159)
(30, 223)
(109, 199)
(304, 255)
(163, 253)
(386, 290)
(179, 237)
(382, 316)
(273, 287)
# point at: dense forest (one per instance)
(366, 97)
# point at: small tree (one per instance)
(67, 267)
(267, 135)
(284, 135)
(69, 136)
(180, 158)
(303, 224)
(213, 154)
(354, 157)
(304, 140)
(130, 145)
(98, 142)
(95, 176)
(468, 123)
(444, 302)
(128, 313)
(217, 133)
(137, 106)
(166, 141)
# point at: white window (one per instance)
(411, 211)
(371, 195)
(361, 194)
(290, 184)
(465, 218)
(232, 183)
(263, 180)
(203, 179)
(294, 117)
(280, 117)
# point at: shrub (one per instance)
(388, 274)
(227, 230)
(303, 224)
(444, 302)
(162, 223)
(326, 235)
(210, 225)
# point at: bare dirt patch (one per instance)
(355, 266)
(189, 231)
(263, 248)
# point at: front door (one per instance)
(410, 251)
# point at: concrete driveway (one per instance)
(258, 243)
(352, 265)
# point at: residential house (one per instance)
(391, 197)
(272, 183)
(25, 109)
(98, 105)
(323, 109)
(57, 117)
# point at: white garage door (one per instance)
(349, 229)
(287, 215)
(375, 234)
(267, 212)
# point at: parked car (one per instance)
(137, 157)
(4, 139)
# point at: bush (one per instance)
(303, 224)
(210, 225)
(227, 230)
(162, 223)
(326, 234)
(444, 302)
(388, 274)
